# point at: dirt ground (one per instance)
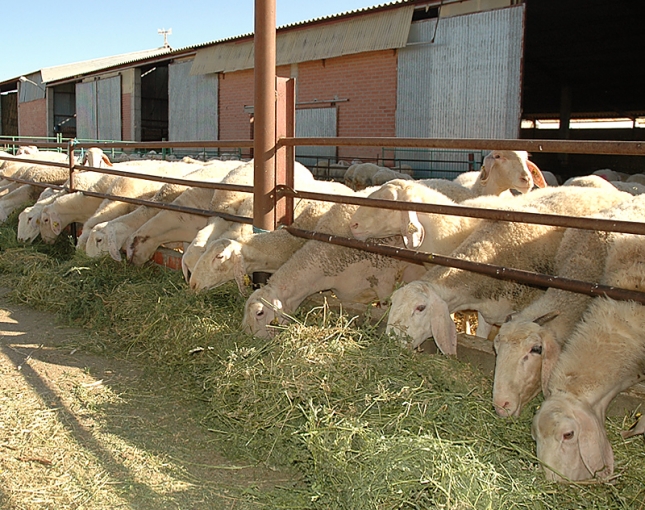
(79, 430)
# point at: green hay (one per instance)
(368, 425)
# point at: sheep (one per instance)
(503, 170)
(227, 259)
(429, 232)
(140, 188)
(354, 276)
(362, 175)
(111, 236)
(216, 226)
(635, 188)
(169, 226)
(589, 181)
(604, 356)
(29, 217)
(528, 344)
(639, 178)
(40, 173)
(422, 309)
(607, 174)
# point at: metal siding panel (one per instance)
(108, 124)
(318, 122)
(86, 111)
(371, 32)
(31, 92)
(192, 107)
(467, 83)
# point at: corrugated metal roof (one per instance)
(371, 32)
(56, 73)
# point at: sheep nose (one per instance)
(503, 409)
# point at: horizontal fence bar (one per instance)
(627, 227)
(628, 148)
(170, 207)
(33, 162)
(195, 144)
(168, 179)
(556, 146)
(498, 272)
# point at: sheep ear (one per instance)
(550, 354)
(411, 229)
(484, 174)
(595, 450)
(636, 429)
(113, 248)
(106, 160)
(541, 321)
(442, 326)
(538, 178)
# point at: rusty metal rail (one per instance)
(498, 272)
(535, 146)
(628, 227)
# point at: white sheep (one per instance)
(227, 259)
(355, 276)
(171, 226)
(604, 356)
(140, 188)
(111, 236)
(362, 175)
(528, 344)
(589, 181)
(422, 309)
(503, 170)
(216, 226)
(29, 217)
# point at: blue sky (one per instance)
(44, 33)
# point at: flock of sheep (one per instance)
(579, 351)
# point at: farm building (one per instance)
(411, 68)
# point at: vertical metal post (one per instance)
(72, 163)
(285, 155)
(264, 107)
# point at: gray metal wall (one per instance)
(98, 109)
(192, 108)
(465, 84)
(321, 122)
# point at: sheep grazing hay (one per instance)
(365, 424)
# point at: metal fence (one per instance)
(604, 147)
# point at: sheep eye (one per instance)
(567, 436)
(420, 308)
(219, 257)
(260, 313)
(536, 349)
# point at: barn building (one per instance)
(408, 68)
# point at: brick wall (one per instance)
(369, 81)
(32, 118)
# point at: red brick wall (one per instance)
(126, 117)
(236, 92)
(32, 118)
(369, 81)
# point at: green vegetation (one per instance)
(365, 424)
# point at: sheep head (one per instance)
(262, 311)
(571, 440)
(526, 353)
(502, 170)
(216, 266)
(418, 313)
